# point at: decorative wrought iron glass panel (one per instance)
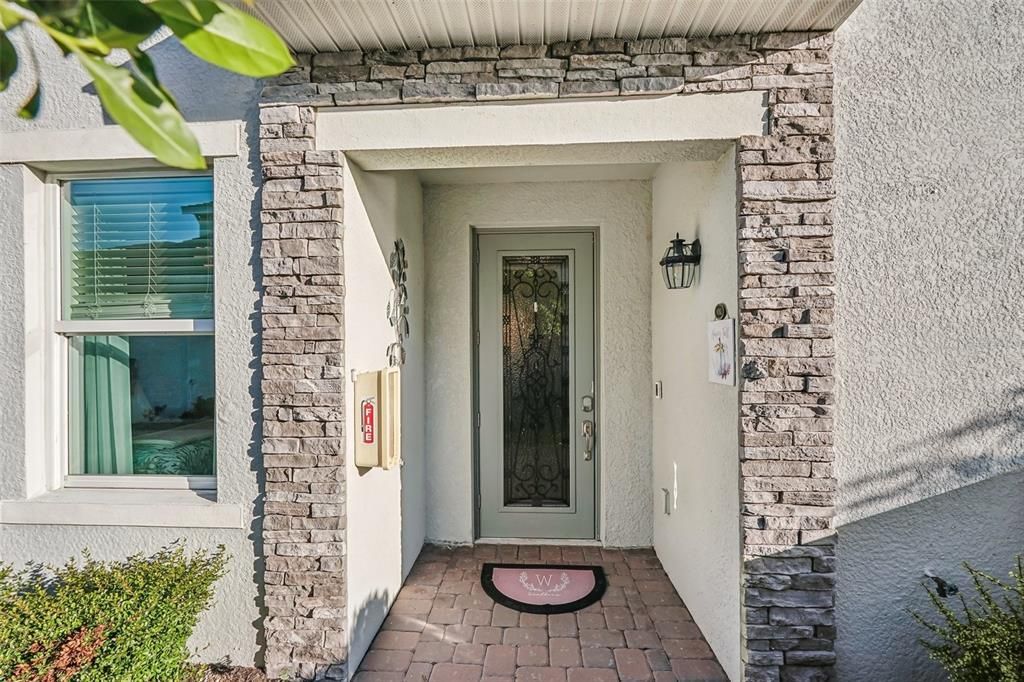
(536, 366)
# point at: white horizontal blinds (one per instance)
(139, 248)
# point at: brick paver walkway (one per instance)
(443, 628)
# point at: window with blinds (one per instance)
(138, 248)
(141, 398)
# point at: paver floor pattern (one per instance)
(444, 628)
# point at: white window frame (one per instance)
(63, 330)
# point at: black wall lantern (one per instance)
(680, 263)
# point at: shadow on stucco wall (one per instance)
(255, 455)
(977, 517)
(981, 448)
(881, 561)
(367, 619)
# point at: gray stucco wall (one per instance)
(930, 395)
(229, 629)
(203, 92)
(12, 335)
(621, 212)
(695, 440)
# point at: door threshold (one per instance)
(538, 541)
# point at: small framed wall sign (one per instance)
(722, 352)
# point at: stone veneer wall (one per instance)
(303, 397)
(784, 243)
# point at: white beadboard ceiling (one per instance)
(332, 25)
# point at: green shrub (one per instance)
(986, 642)
(100, 621)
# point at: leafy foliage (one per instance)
(98, 621)
(986, 643)
(89, 30)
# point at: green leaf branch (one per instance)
(132, 95)
(981, 640)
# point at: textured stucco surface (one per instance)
(621, 210)
(696, 443)
(13, 185)
(930, 395)
(205, 94)
(385, 508)
(884, 557)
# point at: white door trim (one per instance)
(538, 227)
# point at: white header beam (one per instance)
(394, 136)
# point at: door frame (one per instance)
(516, 228)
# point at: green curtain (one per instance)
(107, 410)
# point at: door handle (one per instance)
(587, 429)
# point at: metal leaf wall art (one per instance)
(398, 305)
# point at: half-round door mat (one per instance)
(543, 588)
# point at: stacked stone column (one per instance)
(786, 364)
(303, 398)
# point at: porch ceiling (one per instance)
(530, 161)
(332, 25)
